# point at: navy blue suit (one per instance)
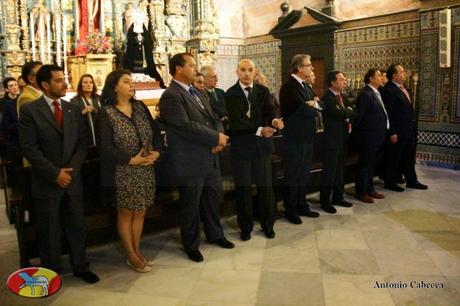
(191, 133)
(369, 129)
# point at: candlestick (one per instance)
(48, 38)
(41, 31)
(57, 22)
(32, 36)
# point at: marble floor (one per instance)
(344, 259)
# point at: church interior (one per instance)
(402, 250)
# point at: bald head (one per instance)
(246, 71)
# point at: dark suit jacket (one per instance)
(399, 111)
(370, 123)
(299, 118)
(242, 129)
(334, 115)
(218, 105)
(49, 148)
(191, 132)
(78, 100)
(9, 122)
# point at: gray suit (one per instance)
(49, 148)
(191, 132)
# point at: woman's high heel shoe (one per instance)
(145, 269)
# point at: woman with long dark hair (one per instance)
(129, 145)
(88, 100)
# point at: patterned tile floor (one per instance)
(406, 238)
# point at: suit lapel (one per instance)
(189, 98)
(47, 113)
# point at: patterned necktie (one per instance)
(57, 113)
(193, 92)
(406, 93)
(340, 98)
(249, 90)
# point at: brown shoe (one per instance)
(377, 195)
(365, 198)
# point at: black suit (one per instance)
(298, 137)
(369, 129)
(400, 155)
(335, 137)
(191, 133)
(251, 153)
(217, 101)
(9, 130)
(49, 148)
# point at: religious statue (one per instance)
(127, 17)
(89, 17)
(139, 47)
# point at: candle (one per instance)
(41, 36)
(48, 38)
(32, 36)
(64, 36)
(57, 22)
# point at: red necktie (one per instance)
(406, 93)
(57, 113)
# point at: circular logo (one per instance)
(34, 282)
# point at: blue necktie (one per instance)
(193, 92)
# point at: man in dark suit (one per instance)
(252, 121)
(369, 127)
(194, 135)
(400, 149)
(53, 137)
(336, 119)
(216, 95)
(299, 110)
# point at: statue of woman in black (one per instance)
(139, 54)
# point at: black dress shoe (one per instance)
(223, 242)
(270, 234)
(394, 187)
(329, 208)
(309, 213)
(417, 185)
(245, 236)
(87, 276)
(195, 255)
(342, 203)
(294, 219)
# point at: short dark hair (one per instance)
(27, 70)
(199, 74)
(108, 95)
(80, 86)
(370, 74)
(382, 71)
(44, 74)
(332, 77)
(391, 71)
(6, 81)
(177, 60)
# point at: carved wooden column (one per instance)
(157, 22)
(13, 57)
(205, 32)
